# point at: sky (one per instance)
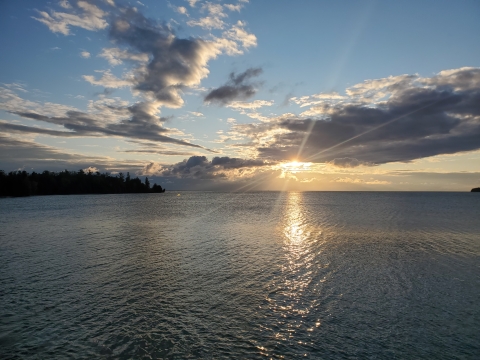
(242, 95)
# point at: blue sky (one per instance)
(321, 95)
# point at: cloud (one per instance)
(249, 105)
(141, 124)
(108, 118)
(466, 78)
(65, 4)
(237, 33)
(233, 7)
(348, 162)
(157, 152)
(181, 10)
(85, 54)
(237, 88)
(199, 167)
(168, 64)
(23, 129)
(214, 18)
(370, 181)
(85, 15)
(174, 63)
(115, 56)
(108, 80)
(209, 22)
(28, 155)
(412, 118)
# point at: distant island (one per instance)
(21, 183)
(476, 189)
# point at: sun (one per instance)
(295, 166)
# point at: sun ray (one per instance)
(314, 156)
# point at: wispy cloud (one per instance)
(109, 118)
(85, 15)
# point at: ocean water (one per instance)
(257, 275)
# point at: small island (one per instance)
(21, 183)
(475, 189)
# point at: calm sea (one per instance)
(257, 275)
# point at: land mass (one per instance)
(21, 183)
(476, 189)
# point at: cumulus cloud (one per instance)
(164, 66)
(84, 15)
(466, 78)
(85, 54)
(232, 7)
(181, 10)
(413, 117)
(235, 40)
(174, 63)
(115, 56)
(239, 87)
(199, 167)
(214, 18)
(168, 64)
(65, 4)
(107, 80)
(237, 33)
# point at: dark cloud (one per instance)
(140, 125)
(15, 128)
(174, 64)
(199, 167)
(237, 88)
(440, 115)
(106, 92)
(236, 163)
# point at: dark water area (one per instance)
(257, 275)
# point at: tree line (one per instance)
(22, 183)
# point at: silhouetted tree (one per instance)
(20, 183)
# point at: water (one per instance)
(255, 275)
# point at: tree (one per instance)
(21, 183)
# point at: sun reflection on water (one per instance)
(293, 294)
(295, 226)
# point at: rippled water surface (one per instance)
(218, 275)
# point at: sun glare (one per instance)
(295, 166)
